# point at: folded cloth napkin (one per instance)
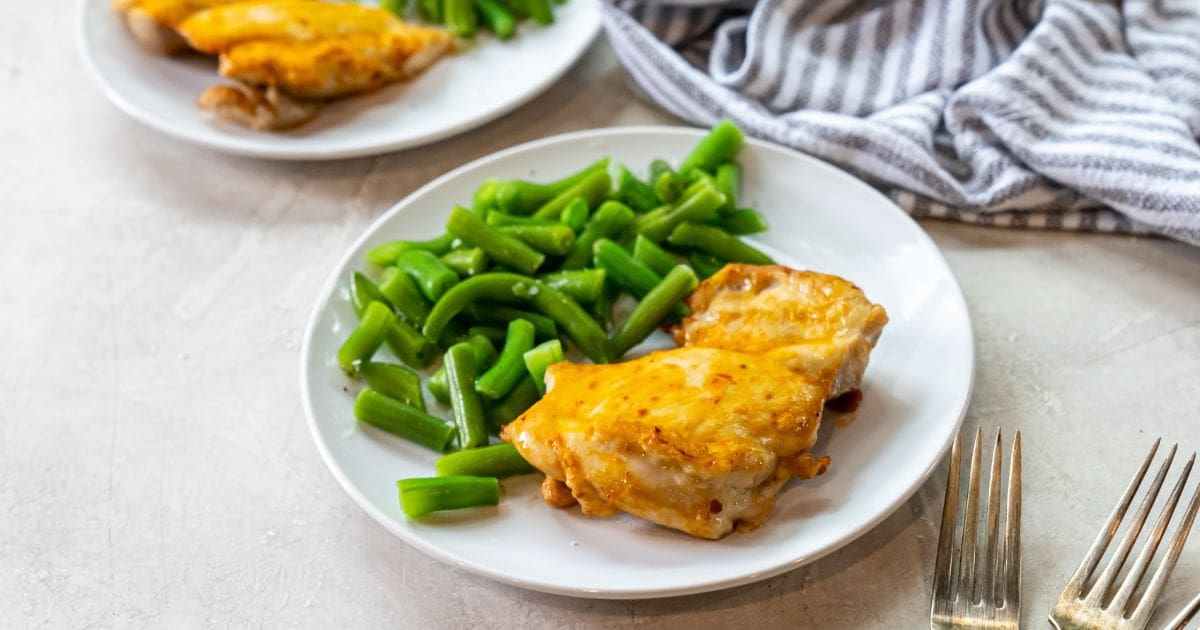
(1071, 114)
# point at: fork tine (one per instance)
(1012, 531)
(943, 566)
(1078, 581)
(1151, 545)
(1165, 566)
(987, 578)
(1101, 588)
(970, 530)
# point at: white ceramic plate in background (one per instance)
(915, 392)
(457, 93)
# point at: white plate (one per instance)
(457, 93)
(915, 392)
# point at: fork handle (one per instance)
(1187, 614)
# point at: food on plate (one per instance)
(700, 438)
(288, 57)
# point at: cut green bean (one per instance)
(704, 265)
(627, 272)
(495, 286)
(467, 261)
(409, 345)
(744, 221)
(700, 201)
(517, 8)
(438, 386)
(609, 220)
(394, 381)
(658, 167)
(502, 219)
(404, 296)
(729, 181)
(498, 313)
(668, 186)
(634, 192)
(523, 198)
(406, 421)
(602, 308)
(464, 400)
(498, 460)
(363, 292)
(509, 368)
(656, 258)
(717, 242)
(422, 496)
(395, 7)
(720, 145)
(366, 338)
(431, 10)
(652, 310)
(575, 215)
(594, 188)
(386, 254)
(497, 18)
(485, 355)
(571, 317)
(581, 285)
(500, 247)
(514, 404)
(484, 200)
(461, 18)
(541, 357)
(540, 11)
(491, 333)
(554, 240)
(432, 275)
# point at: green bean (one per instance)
(404, 295)
(419, 497)
(491, 333)
(394, 381)
(467, 261)
(406, 421)
(608, 221)
(720, 145)
(697, 204)
(541, 357)
(515, 403)
(634, 192)
(507, 371)
(498, 313)
(484, 355)
(522, 197)
(502, 219)
(704, 265)
(438, 386)
(432, 275)
(498, 19)
(363, 292)
(484, 200)
(540, 11)
(500, 247)
(717, 242)
(571, 317)
(431, 10)
(498, 460)
(594, 187)
(669, 186)
(653, 308)
(366, 338)
(603, 306)
(729, 181)
(554, 240)
(395, 7)
(658, 167)
(464, 400)
(581, 285)
(461, 18)
(384, 255)
(575, 215)
(656, 258)
(627, 272)
(516, 7)
(408, 345)
(497, 286)
(744, 221)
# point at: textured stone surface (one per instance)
(155, 469)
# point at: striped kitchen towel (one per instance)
(1072, 114)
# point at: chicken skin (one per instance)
(703, 437)
(697, 439)
(153, 22)
(819, 324)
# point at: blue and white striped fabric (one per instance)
(1070, 114)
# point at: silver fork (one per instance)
(1084, 607)
(971, 592)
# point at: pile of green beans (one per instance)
(521, 272)
(464, 17)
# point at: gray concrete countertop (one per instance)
(155, 466)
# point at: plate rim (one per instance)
(437, 553)
(232, 145)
